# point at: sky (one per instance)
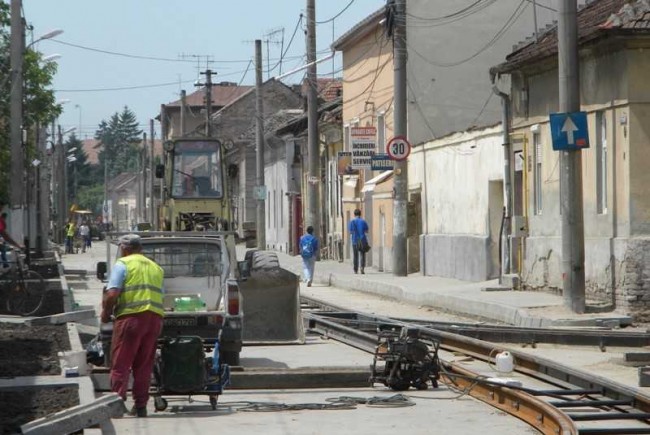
(181, 36)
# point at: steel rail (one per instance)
(543, 415)
(534, 411)
(601, 337)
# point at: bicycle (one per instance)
(22, 289)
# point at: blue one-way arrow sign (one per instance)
(569, 131)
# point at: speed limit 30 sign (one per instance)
(398, 148)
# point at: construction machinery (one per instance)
(195, 193)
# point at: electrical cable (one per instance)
(337, 15)
(134, 56)
(293, 35)
(473, 123)
(511, 20)
(452, 15)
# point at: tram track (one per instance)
(553, 398)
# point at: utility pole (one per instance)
(152, 203)
(142, 186)
(208, 99)
(313, 147)
(400, 175)
(63, 181)
(17, 178)
(259, 143)
(573, 237)
(183, 109)
(163, 137)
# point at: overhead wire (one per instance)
(509, 22)
(135, 56)
(293, 35)
(337, 15)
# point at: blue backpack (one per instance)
(306, 249)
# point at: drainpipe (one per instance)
(506, 240)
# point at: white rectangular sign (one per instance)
(362, 144)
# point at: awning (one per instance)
(369, 185)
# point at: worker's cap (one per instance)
(131, 240)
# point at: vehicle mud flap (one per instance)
(270, 302)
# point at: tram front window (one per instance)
(197, 170)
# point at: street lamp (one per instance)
(49, 35)
(51, 57)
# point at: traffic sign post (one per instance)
(569, 131)
(398, 148)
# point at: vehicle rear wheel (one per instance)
(26, 296)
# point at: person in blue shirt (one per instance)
(358, 229)
(308, 250)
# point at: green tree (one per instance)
(119, 138)
(91, 198)
(39, 100)
(81, 174)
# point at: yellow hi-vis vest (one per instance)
(142, 287)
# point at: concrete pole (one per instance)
(259, 144)
(163, 138)
(400, 177)
(17, 176)
(183, 109)
(313, 146)
(152, 208)
(62, 188)
(573, 238)
(208, 101)
(43, 193)
(142, 185)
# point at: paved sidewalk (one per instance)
(519, 308)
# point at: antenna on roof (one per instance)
(207, 59)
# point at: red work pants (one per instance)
(134, 348)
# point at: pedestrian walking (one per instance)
(358, 229)
(84, 232)
(134, 298)
(308, 250)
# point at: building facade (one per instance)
(615, 93)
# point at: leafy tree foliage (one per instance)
(39, 100)
(119, 137)
(91, 198)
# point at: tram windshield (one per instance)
(197, 170)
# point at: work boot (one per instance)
(138, 412)
(363, 272)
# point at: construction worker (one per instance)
(70, 231)
(134, 297)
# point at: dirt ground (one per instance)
(20, 407)
(32, 351)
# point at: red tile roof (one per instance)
(92, 149)
(328, 89)
(596, 19)
(222, 94)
